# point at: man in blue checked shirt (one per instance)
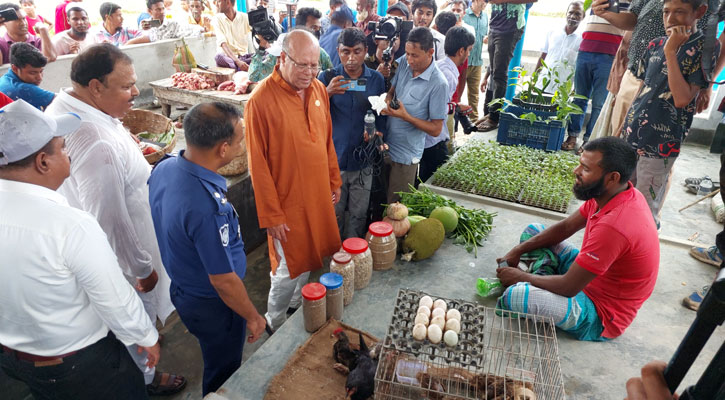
(348, 107)
(201, 243)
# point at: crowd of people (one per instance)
(108, 246)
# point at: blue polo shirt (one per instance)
(196, 226)
(16, 89)
(328, 41)
(348, 112)
(425, 97)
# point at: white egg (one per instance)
(438, 312)
(435, 334)
(424, 310)
(420, 331)
(453, 314)
(440, 321)
(453, 325)
(422, 319)
(426, 301)
(440, 303)
(450, 338)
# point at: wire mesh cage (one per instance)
(498, 357)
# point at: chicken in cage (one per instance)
(498, 355)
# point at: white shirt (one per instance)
(440, 51)
(60, 285)
(62, 41)
(232, 32)
(561, 52)
(109, 180)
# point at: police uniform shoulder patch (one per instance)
(224, 234)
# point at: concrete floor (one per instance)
(587, 367)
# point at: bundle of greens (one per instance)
(473, 225)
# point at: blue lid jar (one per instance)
(331, 280)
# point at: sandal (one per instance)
(165, 384)
(487, 125)
(569, 144)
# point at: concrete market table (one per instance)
(169, 95)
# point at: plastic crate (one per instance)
(539, 135)
(536, 106)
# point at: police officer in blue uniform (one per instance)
(201, 243)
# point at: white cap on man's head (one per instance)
(24, 130)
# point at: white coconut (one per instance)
(426, 301)
(450, 338)
(424, 310)
(440, 321)
(440, 303)
(438, 312)
(419, 332)
(422, 319)
(453, 314)
(435, 334)
(453, 325)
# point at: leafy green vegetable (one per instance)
(473, 225)
(513, 173)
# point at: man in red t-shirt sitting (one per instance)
(593, 293)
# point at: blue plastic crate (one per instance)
(518, 111)
(539, 135)
(536, 106)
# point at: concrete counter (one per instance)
(452, 273)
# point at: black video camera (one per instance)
(263, 25)
(390, 29)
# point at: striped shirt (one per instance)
(600, 36)
(119, 38)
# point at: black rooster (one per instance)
(360, 383)
(344, 355)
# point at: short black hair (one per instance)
(445, 21)
(75, 9)
(150, 3)
(422, 36)
(464, 2)
(208, 124)
(96, 62)
(694, 3)
(14, 6)
(107, 9)
(458, 38)
(336, 2)
(424, 3)
(350, 37)
(26, 2)
(617, 156)
(23, 53)
(306, 12)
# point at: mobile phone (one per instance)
(355, 85)
(613, 6)
(9, 14)
(154, 23)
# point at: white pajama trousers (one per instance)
(283, 292)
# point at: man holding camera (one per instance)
(349, 85)
(458, 45)
(418, 103)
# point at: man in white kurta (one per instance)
(108, 178)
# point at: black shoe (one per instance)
(462, 118)
(291, 311)
(269, 330)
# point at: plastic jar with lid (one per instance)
(333, 285)
(383, 245)
(314, 307)
(363, 259)
(342, 264)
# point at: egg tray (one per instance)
(469, 352)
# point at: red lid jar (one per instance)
(313, 291)
(355, 245)
(380, 229)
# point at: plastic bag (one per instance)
(488, 287)
(183, 60)
(718, 208)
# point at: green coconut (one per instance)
(448, 216)
(424, 238)
(414, 219)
